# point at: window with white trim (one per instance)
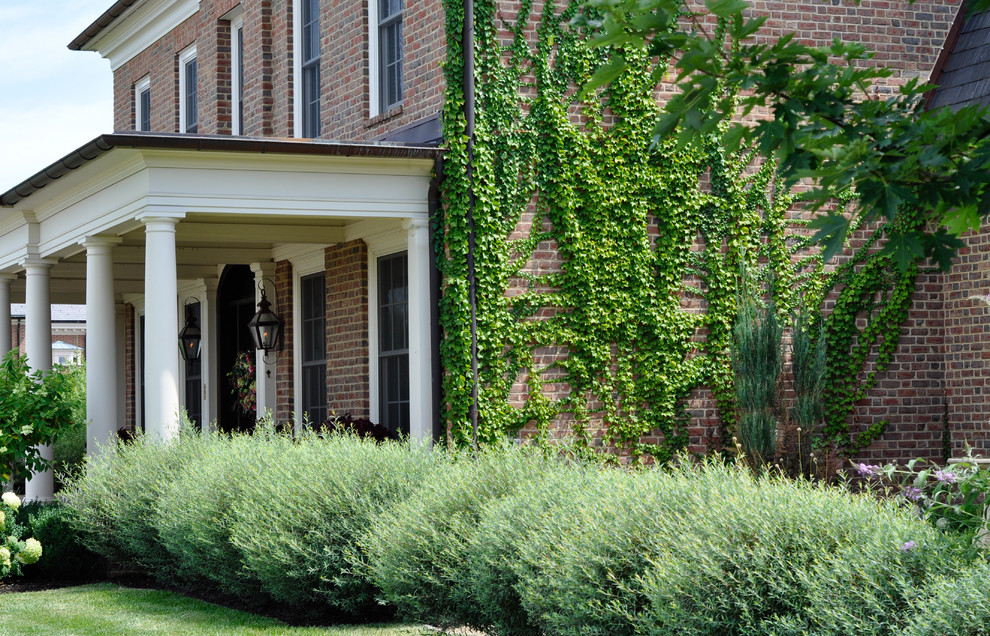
(237, 75)
(309, 55)
(313, 321)
(142, 104)
(393, 342)
(188, 92)
(389, 69)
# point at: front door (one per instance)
(235, 308)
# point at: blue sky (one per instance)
(52, 100)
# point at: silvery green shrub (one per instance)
(296, 528)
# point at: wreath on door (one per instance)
(242, 378)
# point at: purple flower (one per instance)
(911, 494)
(867, 470)
(946, 477)
(908, 545)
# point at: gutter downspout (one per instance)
(467, 46)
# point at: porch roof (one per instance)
(178, 141)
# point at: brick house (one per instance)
(290, 146)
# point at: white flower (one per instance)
(11, 500)
(31, 552)
(4, 557)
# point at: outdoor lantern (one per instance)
(265, 326)
(190, 338)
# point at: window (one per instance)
(393, 342)
(310, 68)
(237, 75)
(194, 376)
(389, 54)
(313, 296)
(142, 104)
(188, 92)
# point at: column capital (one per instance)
(159, 222)
(411, 225)
(7, 279)
(93, 243)
(31, 263)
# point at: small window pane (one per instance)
(192, 110)
(313, 346)
(144, 106)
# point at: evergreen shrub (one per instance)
(194, 510)
(114, 501)
(296, 528)
(954, 605)
(419, 551)
(64, 556)
(516, 541)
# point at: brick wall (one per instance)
(285, 379)
(347, 329)
(912, 394)
(268, 60)
(967, 345)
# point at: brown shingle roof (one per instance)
(101, 23)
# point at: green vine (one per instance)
(607, 268)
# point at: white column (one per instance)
(265, 384)
(101, 345)
(420, 345)
(209, 352)
(6, 337)
(38, 332)
(161, 358)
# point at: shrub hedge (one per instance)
(512, 541)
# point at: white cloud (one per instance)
(52, 100)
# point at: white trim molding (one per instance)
(140, 27)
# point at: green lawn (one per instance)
(107, 609)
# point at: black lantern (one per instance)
(265, 326)
(190, 338)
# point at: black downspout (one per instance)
(467, 45)
(437, 380)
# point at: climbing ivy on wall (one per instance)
(607, 269)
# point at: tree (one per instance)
(921, 174)
(34, 408)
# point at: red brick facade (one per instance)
(937, 377)
(269, 70)
(347, 329)
(285, 384)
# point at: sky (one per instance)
(52, 100)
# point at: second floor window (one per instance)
(389, 54)
(142, 105)
(310, 68)
(237, 79)
(188, 97)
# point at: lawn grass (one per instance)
(106, 609)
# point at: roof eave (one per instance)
(177, 141)
(102, 22)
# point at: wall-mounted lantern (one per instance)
(191, 337)
(266, 326)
